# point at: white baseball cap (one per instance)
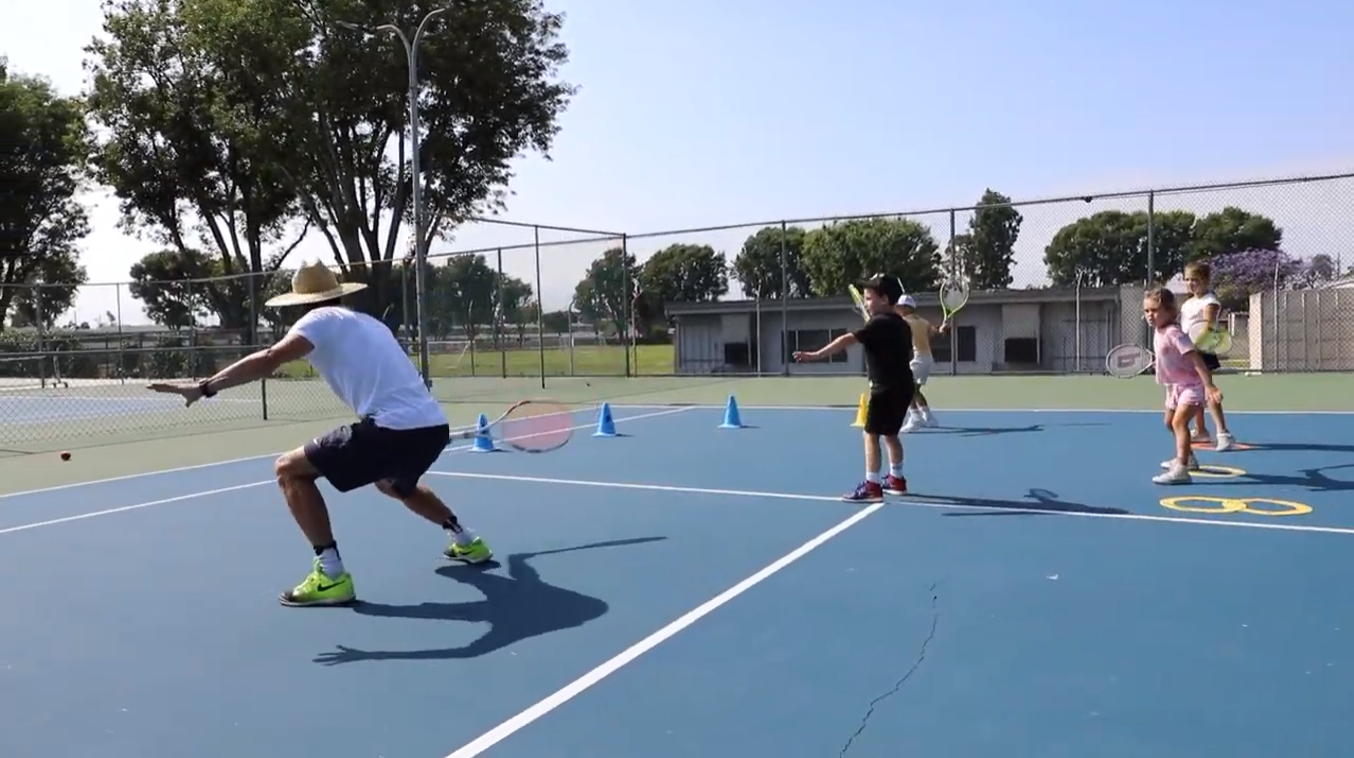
(907, 301)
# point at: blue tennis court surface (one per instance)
(687, 590)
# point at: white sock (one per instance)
(872, 476)
(463, 537)
(896, 469)
(330, 563)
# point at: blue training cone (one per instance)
(731, 417)
(483, 442)
(606, 425)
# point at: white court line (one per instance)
(901, 501)
(230, 461)
(579, 685)
(233, 488)
(137, 507)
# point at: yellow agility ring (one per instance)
(1214, 471)
(1255, 506)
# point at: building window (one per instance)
(813, 339)
(967, 339)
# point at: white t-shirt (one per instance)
(366, 367)
(1192, 311)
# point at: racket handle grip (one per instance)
(466, 434)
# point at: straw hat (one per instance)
(314, 283)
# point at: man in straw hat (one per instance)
(400, 433)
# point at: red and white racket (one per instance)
(531, 426)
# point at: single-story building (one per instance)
(1034, 330)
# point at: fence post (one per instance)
(1151, 258)
(784, 302)
(626, 327)
(540, 325)
(954, 270)
(254, 290)
(498, 318)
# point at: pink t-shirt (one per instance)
(1173, 347)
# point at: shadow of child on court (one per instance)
(517, 607)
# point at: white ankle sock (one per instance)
(330, 563)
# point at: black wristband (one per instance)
(205, 386)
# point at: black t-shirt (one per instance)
(887, 340)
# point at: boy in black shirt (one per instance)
(887, 340)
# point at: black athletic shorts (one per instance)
(1210, 360)
(363, 453)
(887, 410)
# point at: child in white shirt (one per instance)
(1203, 307)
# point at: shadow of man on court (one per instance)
(1310, 479)
(517, 606)
(1036, 502)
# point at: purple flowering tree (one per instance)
(1237, 276)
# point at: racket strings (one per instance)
(537, 427)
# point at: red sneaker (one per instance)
(895, 485)
(867, 492)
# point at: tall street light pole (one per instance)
(420, 242)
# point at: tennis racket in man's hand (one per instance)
(191, 393)
(531, 426)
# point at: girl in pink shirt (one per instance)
(1189, 384)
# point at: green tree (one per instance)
(845, 252)
(180, 288)
(683, 273)
(1109, 248)
(986, 252)
(44, 146)
(1233, 230)
(758, 266)
(164, 283)
(608, 289)
(56, 282)
(325, 101)
(185, 172)
(465, 292)
(556, 322)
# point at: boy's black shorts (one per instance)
(1210, 360)
(887, 410)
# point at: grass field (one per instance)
(589, 360)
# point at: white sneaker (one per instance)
(1193, 464)
(928, 420)
(1225, 442)
(1176, 474)
(912, 424)
(1198, 436)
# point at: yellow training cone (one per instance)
(860, 411)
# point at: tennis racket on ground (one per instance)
(1127, 361)
(530, 426)
(1217, 341)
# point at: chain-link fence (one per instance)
(1055, 285)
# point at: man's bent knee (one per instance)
(294, 465)
(400, 490)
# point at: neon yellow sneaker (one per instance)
(476, 551)
(319, 589)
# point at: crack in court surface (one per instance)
(898, 685)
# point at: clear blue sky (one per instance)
(702, 113)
